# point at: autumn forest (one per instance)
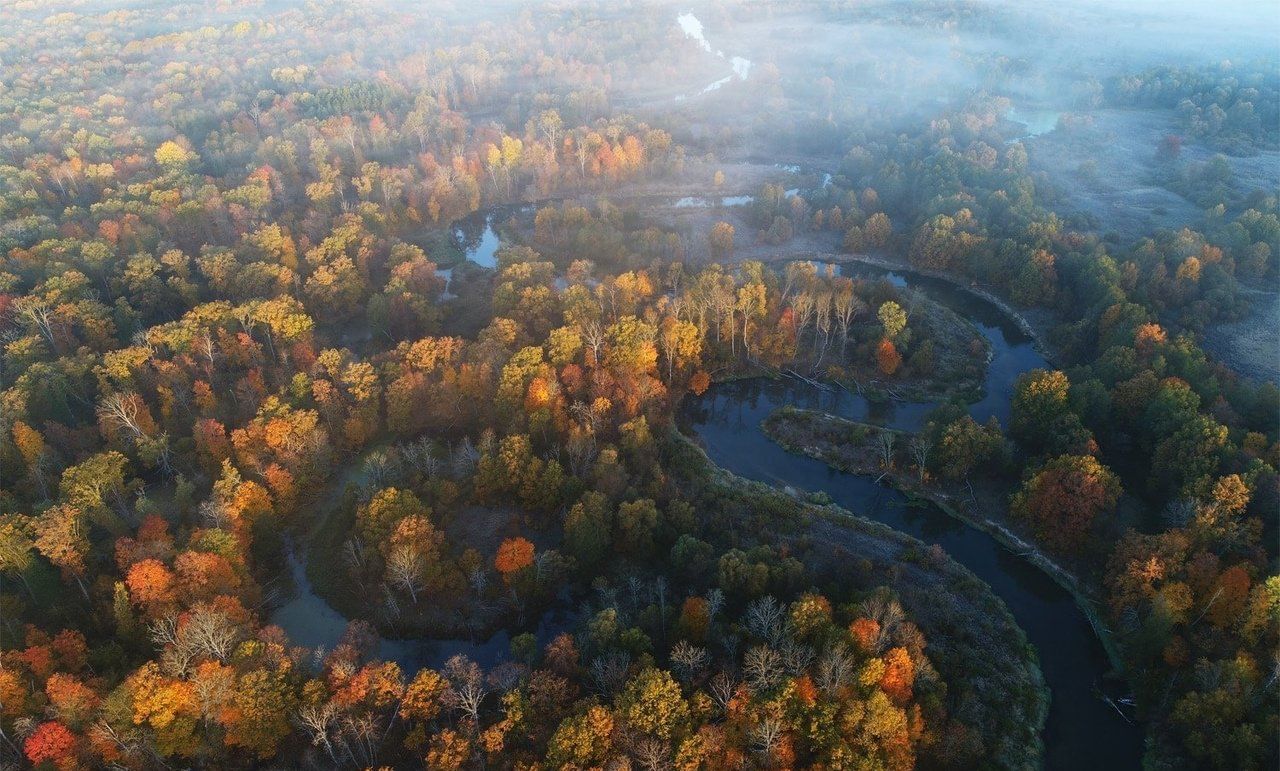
(634, 385)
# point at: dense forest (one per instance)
(393, 318)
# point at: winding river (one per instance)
(1082, 729)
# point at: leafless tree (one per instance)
(764, 619)
(723, 688)
(715, 603)
(478, 578)
(176, 658)
(128, 744)
(652, 754)
(835, 668)
(581, 449)
(765, 734)
(404, 569)
(317, 721)
(802, 308)
(886, 612)
(468, 689)
(796, 657)
(210, 632)
(887, 440)
(38, 312)
(920, 447)
(378, 468)
(610, 672)
(688, 660)
(465, 457)
(361, 736)
(762, 667)
(507, 675)
(421, 456)
(822, 307)
(353, 554)
(1180, 512)
(390, 602)
(121, 410)
(593, 336)
(847, 308)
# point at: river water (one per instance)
(1082, 730)
(313, 623)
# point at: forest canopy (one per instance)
(354, 357)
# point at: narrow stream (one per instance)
(1082, 730)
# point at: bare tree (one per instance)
(886, 612)
(507, 675)
(1180, 512)
(688, 660)
(762, 667)
(766, 733)
(822, 307)
(723, 688)
(715, 603)
(465, 457)
(847, 308)
(121, 411)
(802, 306)
(215, 513)
(404, 569)
(210, 632)
(835, 668)
(887, 440)
(361, 736)
(593, 336)
(316, 721)
(610, 672)
(652, 754)
(581, 448)
(378, 468)
(764, 619)
(920, 447)
(796, 657)
(177, 656)
(129, 745)
(38, 312)
(468, 688)
(478, 578)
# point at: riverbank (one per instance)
(1037, 330)
(826, 438)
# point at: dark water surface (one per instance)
(312, 622)
(1082, 730)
